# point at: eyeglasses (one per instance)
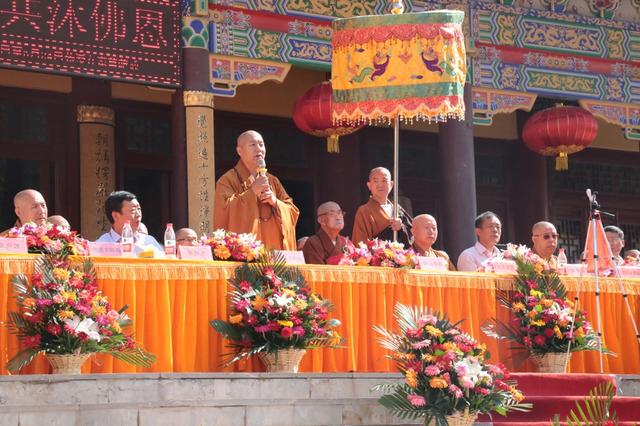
(547, 236)
(336, 213)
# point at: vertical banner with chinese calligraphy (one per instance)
(200, 160)
(97, 167)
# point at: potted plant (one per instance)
(234, 247)
(376, 252)
(447, 379)
(544, 321)
(274, 314)
(63, 315)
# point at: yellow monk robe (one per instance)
(237, 209)
(372, 221)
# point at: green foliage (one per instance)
(595, 410)
(271, 307)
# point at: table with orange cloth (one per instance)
(172, 302)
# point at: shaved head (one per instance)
(331, 218)
(251, 149)
(545, 239)
(382, 170)
(425, 231)
(186, 237)
(60, 221)
(30, 207)
(326, 207)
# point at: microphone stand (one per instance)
(595, 216)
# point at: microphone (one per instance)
(261, 170)
(589, 194)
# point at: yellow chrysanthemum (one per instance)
(411, 378)
(99, 310)
(538, 323)
(517, 395)
(116, 327)
(518, 307)
(285, 323)
(449, 346)
(69, 295)
(535, 293)
(301, 304)
(435, 332)
(428, 357)
(579, 332)
(438, 383)
(63, 315)
(483, 348)
(538, 268)
(259, 303)
(235, 319)
(388, 253)
(60, 274)
(362, 261)
(289, 292)
(532, 314)
(547, 303)
(79, 275)
(222, 252)
(557, 331)
(29, 302)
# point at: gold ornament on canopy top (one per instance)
(396, 67)
(411, 66)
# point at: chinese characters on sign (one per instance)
(204, 212)
(103, 178)
(129, 40)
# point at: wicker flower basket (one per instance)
(282, 361)
(66, 364)
(551, 362)
(459, 418)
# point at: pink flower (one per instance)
(298, 331)
(286, 332)
(113, 315)
(482, 391)
(245, 286)
(455, 391)
(262, 328)
(431, 370)
(539, 340)
(466, 383)
(57, 298)
(417, 400)
(427, 319)
(32, 341)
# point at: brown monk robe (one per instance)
(425, 234)
(372, 221)
(327, 242)
(248, 203)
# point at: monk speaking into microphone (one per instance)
(250, 200)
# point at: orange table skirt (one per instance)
(172, 303)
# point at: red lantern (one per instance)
(561, 130)
(312, 113)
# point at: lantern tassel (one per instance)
(562, 162)
(333, 144)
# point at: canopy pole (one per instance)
(396, 154)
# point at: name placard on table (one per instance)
(292, 257)
(195, 253)
(105, 249)
(433, 263)
(13, 245)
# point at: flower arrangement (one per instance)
(445, 371)
(231, 246)
(544, 319)
(49, 238)
(272, 308)
(376, 252)
(61, 311)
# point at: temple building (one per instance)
(152, 98)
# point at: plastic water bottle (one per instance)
(562, 261)
(170, 241)
(126, 239)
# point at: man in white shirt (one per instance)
(488, 231)
(122, 206)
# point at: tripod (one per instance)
(597, 244)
